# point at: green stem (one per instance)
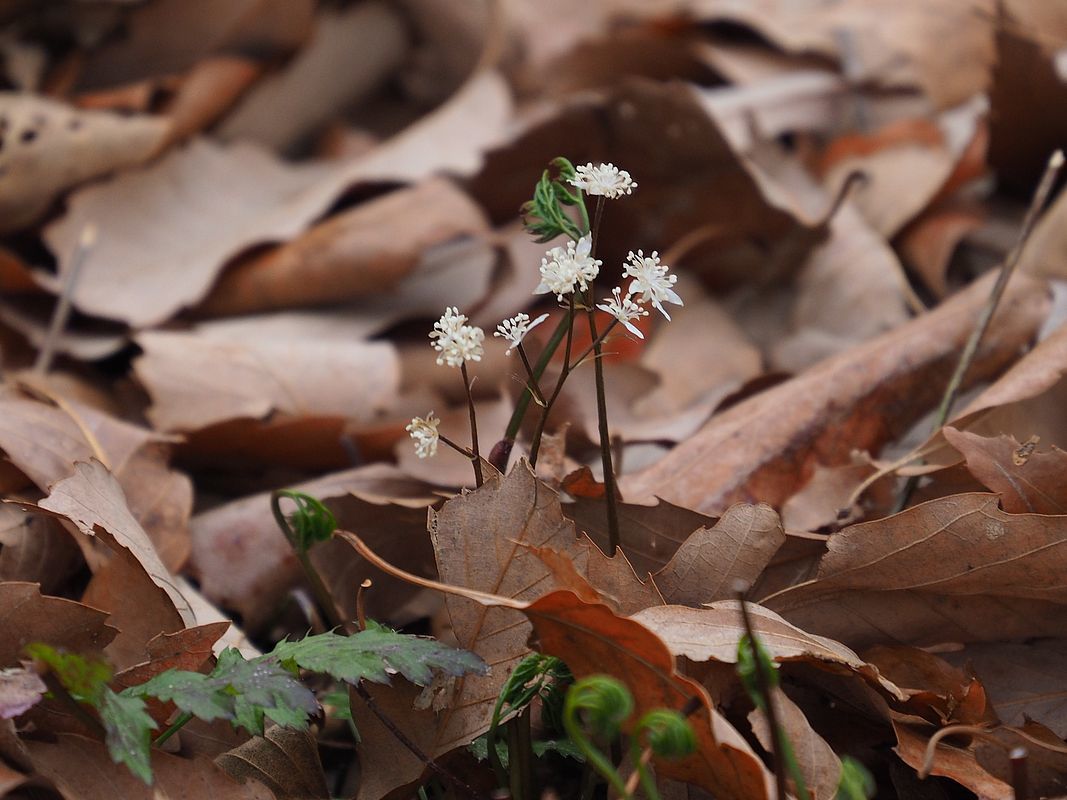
(175, 726)
(593, 757)
(520, 752)
(323, 596)
(539, 368)
(605, 438)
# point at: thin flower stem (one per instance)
(535, 445)
(605, 439)
(175, 726)
(532, 384)
(476, 459)
(601, 401)
(600, 340)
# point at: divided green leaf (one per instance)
(372, 653)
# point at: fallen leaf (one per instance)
(953, 569)
(366, 251)
(877, 387)
(1024, 680)
(93, 501)
(711, 561)
(51, 147)
(1026, 483)
(952, 762)
(27, 616)
(936, 690)
(83, 770)
(196, 381)
(649, 535)
(284, 760)
(816, 761)
(141, 274)
(479, 542)
(351, 54)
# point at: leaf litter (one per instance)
(286, 195)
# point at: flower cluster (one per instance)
(624, 309)
(514, 330)
(605, 180)
(423, 431)
(456, 341)
(564, 269)
(652, 279)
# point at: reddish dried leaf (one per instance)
(816, 760)
(952, 762)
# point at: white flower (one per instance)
(425, 435)
(652, 280)
(565, 268)
(606, 180)
(516, 328)
(624, 309)
(457, 341)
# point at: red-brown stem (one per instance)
(476, 458)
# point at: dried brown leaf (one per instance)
(1026, 478)
(196, 380)
(83, 770)
(368, 250)
(816, 760)
(27, 616)
(709, 562)
(854, 400)
(953, 569)
(284, 760)
(49, 147)
(140, 273)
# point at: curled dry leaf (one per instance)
(855, 400)
(952, 762)
(1027, 478)
(285, 760)
(365, 251)
(49, 147)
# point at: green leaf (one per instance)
(128, 727)
(312, 521)
(239, 690)
(371, 653)
(261, 687)
(199, 695)
(856, 782)
(84, 678)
